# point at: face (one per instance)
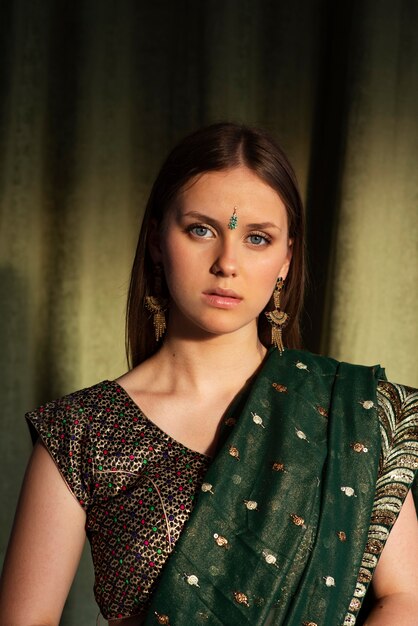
(219, 278)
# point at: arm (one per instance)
(396, 578)
(45, 547)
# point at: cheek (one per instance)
(265, 290)
(178, 267)
(265, 275)
(267, 270)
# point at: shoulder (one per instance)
(78, 406)
(72, 428)
(325, 365)
(398, 416)
(400, 400)
(80, 414)
(308, 361)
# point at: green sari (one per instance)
(281, 531)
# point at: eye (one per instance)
(200, 231)
(259, 239)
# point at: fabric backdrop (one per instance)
(95, 92)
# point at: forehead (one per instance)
(223, 190)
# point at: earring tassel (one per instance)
(277, 318)
(276, 338)
(159, 324)
(157, 307)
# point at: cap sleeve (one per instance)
(398, 415)
(64, 427)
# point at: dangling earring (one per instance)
(157, 305)
(277, 318)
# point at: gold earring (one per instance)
(277, 318)
(157, 305)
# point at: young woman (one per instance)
(302, 465)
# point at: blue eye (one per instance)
(258, 240)
(201, 231)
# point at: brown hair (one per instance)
(217, 147)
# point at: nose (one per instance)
(226, 262)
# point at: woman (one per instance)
(302, 464)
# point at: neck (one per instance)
(218, 361)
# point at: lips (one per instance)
(224, 293)
(222, 298)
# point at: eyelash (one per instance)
(193, 227)
(264, 236)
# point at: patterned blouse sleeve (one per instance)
(63, 428)
(398, 416)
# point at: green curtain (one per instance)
(95, 92)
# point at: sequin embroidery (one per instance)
(162, 619)
(241, 598)
(258, 420)
(279, 388)
(221, 541)
(234, 452)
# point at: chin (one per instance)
(214, 323)
(225, 328)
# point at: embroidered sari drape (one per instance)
(280, 528)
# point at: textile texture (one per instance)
(314, 460)
(135, 482)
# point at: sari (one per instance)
(296, 507)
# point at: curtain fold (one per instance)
(95, 92)
(372, 279)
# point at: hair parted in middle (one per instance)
(217, 147)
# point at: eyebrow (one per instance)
(207, 218)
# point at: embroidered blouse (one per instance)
(136, 484)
